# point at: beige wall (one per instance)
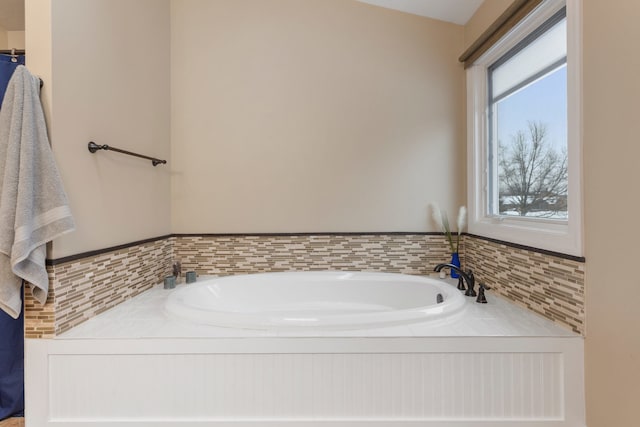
(109, 83)
(38, 45)
(12, 39)
(287, 116)
(4, 44)
(488, 12)
(611, 172)
(15, 40)
(315, 115)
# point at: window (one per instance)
(527, 105)
(524, 145)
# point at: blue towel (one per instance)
(11, 330)
(11, 366)
(7, 67)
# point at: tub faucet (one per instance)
(177, 270)
(467, 276)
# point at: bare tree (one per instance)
(532, 175)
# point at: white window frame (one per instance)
(558, 236)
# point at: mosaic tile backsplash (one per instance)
(549, 285)
(396, 253)
(81, 289)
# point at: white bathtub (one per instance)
(321, 300)
(492, 364)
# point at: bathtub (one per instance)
(337, 349)
(315, 300)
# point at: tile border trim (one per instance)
(575, 258)
(96, 252)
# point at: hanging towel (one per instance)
(33, 204)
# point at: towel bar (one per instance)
(93, 147)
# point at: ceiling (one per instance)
(456, 11)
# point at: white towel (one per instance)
(33, 205)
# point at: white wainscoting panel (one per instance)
(473, 386)
(125, 382)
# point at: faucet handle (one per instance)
(177, 269)
(471, 276)
(472, 281)
(481, 298)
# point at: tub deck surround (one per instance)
(494, 364)
(145, 316)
